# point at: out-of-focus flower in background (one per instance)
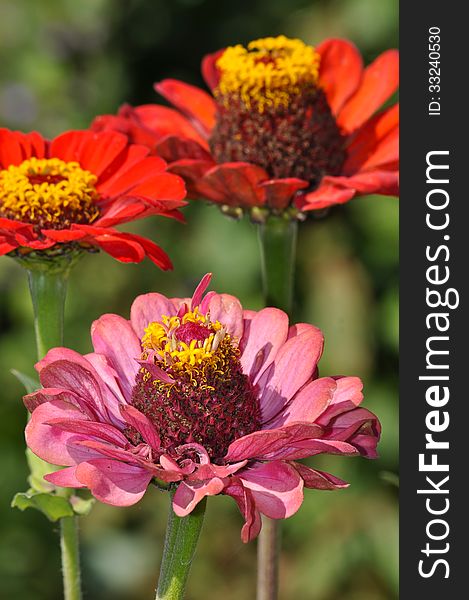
(71, 192)
(287, 126)
(199, 393)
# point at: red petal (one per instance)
(126, 178)
(166, 121)
(63, 235)
(101, 149)
(191, 171)
(340, 71)
(380, 81)
(236, 184)
(278, 193)
(11, 152)
(376, 143)
(67, 146)
(326, 195)
(132, 156)
(163, 186)
(173, 148)
(196, 104)
(210, 72)
(338, 190)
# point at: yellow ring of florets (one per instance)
(71, 199)
(267, 73)
(161, 338)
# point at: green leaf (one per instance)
(82, 506)
(30, 383)
(53, 507)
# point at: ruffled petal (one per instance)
(278, 193)
(53, 444)
(189, 494)
(380, 80)
(114, 482)
(235, 184)
(277, 488)
(245, 501)
(340, 71)
(64, 478)
(319, 480)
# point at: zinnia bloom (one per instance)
(287, 125)
(202, 396)
(74, 189)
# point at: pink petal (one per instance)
(267, 333)
(309, 403)
(188, 495)
(228, 310)
(109, 379)
(292, 367)
(245, 501)
(32, 401)
(319, 480)
(53, 444)
(100, 431)
(256, 445)
(340, 71)
(77, 379)
(114, 337)
(114, 482)
(200, 290)
(64, 478)
(155, 370)
(276, 487)
(143, 425)
(147, 309)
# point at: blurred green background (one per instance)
(65, 61)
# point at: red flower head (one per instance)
(199, 395)
(74, 189)
(288, 125)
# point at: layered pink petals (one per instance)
(83, 419)
(130, 185)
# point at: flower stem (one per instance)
(277, 240)
(182, 534)
(48, 287)
(70, 558)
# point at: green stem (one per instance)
(277, 240)
(48, 287)
(180, 543)
(70, 558)
(48, 290)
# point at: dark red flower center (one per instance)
(211, 402)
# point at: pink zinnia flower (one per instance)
(204, 396)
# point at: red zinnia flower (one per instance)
(74, 189)
(287, 125)
(203, 395)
